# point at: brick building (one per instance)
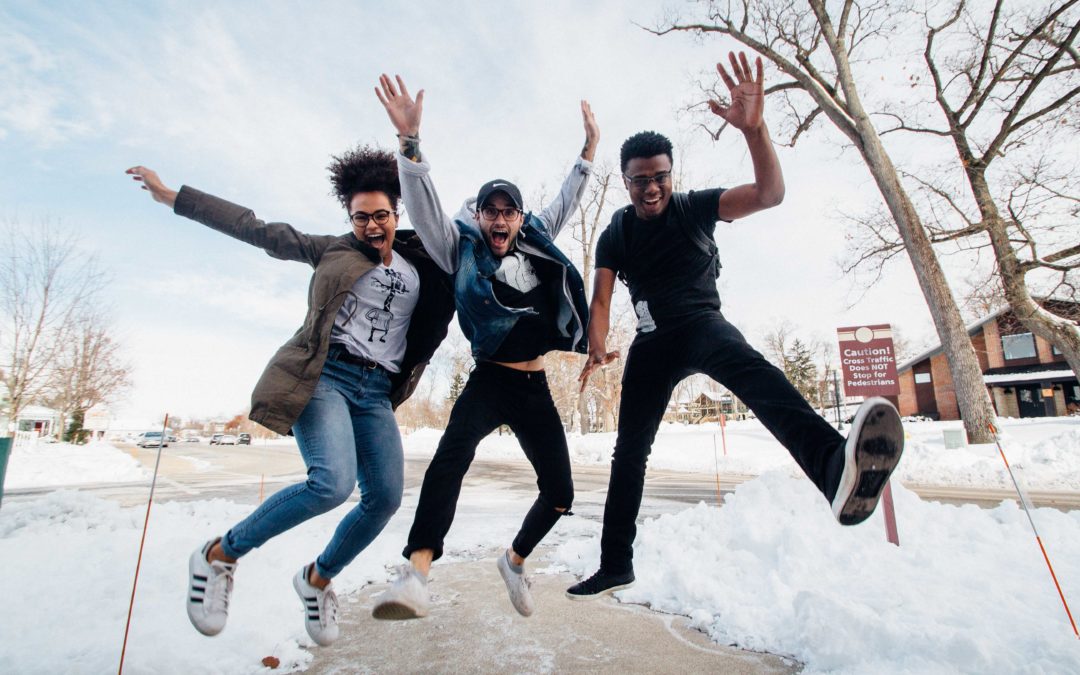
(1026, 375)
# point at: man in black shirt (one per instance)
(662, 246)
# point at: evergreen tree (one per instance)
(800, 369)
(457, 384)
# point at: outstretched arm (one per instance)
(436, 230)
(556, 214)
(599, 321)
(745, 114)
(280, 240)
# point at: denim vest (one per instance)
(484, 320)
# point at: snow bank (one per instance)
(967, 590)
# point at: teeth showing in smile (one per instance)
(376, 239)
(500, 235)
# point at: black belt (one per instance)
(338, 352)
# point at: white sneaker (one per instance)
(209, 586)
(407, 597)
(517, 585)
(871, 452)
(320, 608)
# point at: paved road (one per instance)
(192, 471)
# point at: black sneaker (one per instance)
(871, 452)
(599, 584)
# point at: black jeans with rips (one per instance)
(705, 344)
(493, 396)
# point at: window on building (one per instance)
(1054, 350)
(922, 378)
(1021, 346)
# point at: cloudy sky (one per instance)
(249, 100)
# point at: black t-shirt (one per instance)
(532, 334)
(670, 277)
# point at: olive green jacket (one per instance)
(286, 385)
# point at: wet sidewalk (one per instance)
(473, 629)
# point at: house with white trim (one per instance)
(1026, 375)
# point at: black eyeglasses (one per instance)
(642, 182)
(510, 213)
(360, 219)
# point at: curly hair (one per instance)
(364, 169)
(642, 146)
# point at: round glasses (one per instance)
(360, 219)
(510, 213)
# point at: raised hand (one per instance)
(404, 112)
(747, 94)
(592, 132)
(151, 182)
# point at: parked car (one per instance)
(150, 439)
(192, 439)
(216, 439)
(243, 439)
(227, 439)
(171, 439)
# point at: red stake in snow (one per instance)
(1038, 539)
(142, 542)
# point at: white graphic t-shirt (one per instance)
(517, 272)
(373, 320)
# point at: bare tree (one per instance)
(1018, 85)
(1004, 87)
(816, 47)
(89, 369)
(593, 212)
(45, 281)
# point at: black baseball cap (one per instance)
(498, 185)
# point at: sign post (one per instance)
(868, 360)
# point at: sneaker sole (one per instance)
(396, 611)
(869, 462)
(602, 593)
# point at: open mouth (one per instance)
(500, 235)
(376, 240)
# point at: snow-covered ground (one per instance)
(967, 590)
(44, 464)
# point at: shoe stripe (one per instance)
(199, 577)
(194, 599)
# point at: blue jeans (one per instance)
(347, 430)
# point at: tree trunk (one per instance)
(1061, 332)
(971, 395)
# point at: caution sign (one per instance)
(868, 360)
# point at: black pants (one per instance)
(707, 344)
(496, 395)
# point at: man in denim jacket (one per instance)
(517, 297)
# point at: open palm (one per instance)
(404, 112)
(747, 94)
